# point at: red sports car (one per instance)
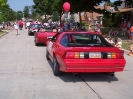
(83, 52)
(43, 35)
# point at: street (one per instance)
(26, 74)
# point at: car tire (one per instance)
(36, 44)
(56, 70)
(29, 34)
(47, 55)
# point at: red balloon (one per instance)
(66, 6)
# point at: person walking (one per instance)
(16, 28)
(20, 24)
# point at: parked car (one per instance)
(83, 52)
(34, 28)
(43, 35)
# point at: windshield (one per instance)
(84, 40)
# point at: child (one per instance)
(110, 40)
(128, 34)
(119, 43)
(131, 50)
(115, 33)
(111, 33)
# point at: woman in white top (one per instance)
(16, 28)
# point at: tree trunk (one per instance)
(80, 27)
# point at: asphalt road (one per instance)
(26, 74)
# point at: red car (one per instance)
(43, 35)
(83, 52)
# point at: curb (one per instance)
(5, 33)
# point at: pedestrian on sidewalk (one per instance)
(16, 28)
(131, 32)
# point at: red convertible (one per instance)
(43, 35)
(83, 52)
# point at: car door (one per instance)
(51, 44)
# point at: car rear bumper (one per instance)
(41, 39)
(93, 66)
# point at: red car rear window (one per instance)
(79, 40)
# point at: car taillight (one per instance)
(114, 56)
(74, 55)
(93, 55)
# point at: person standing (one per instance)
(16, 28)
(131, 32)
(124, 28)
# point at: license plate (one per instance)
(49, 37)
(94, 54)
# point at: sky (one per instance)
(18, 5)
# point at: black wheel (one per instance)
(36, 44)
(56, 70)
(47, 55)
(29, 33)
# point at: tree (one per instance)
(77, 6)
(55, 16)
(117, 19)
(26, 12)
(72, 18)
(19, 15)
(7, 14)
(3, 3)
(32, 12)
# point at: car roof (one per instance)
(78, 32)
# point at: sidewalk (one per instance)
(5, 32)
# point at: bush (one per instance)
(117, 19)
(84, 24)
(107, 22)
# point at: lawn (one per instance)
(125, 42)
(1, 32)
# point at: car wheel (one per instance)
(36, 44)
(56, 70)
(28, 33)
(47, 55)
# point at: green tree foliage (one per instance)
(55, 16)
(107, 21)
(19, 15)
(3, 3)
(7, 14)
(117, 19)
(26, 12)
(32, 12)
(77, 6)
